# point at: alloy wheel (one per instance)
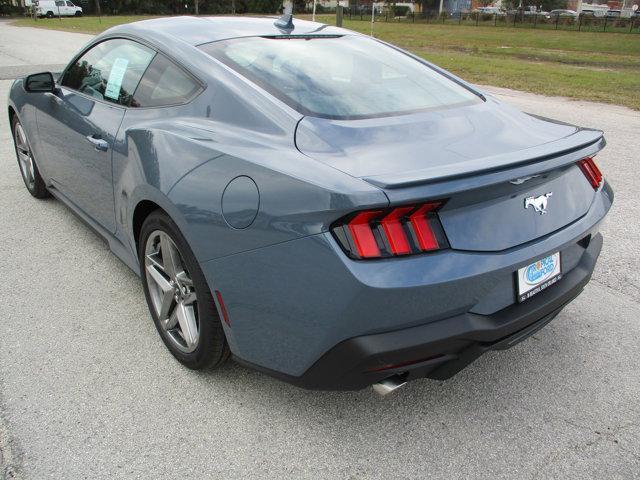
(25, 158)
(172, 292)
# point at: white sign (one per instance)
(115, 78)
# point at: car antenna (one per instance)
(285, 22)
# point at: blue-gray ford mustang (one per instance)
(323, 206)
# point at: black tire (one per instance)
(212, 349)
(37, 187)
(49, 14)
(78, 14)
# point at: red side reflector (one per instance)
(362, 233)
(225, 315)
(393, 229)
(424, 234)
(591, 171)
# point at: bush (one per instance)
(7, 9)
(400, 10)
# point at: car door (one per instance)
(78, 124)
(70, 8)
(60, 8)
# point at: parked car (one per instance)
(612, 13)
(490, 11)
(333, 228)
(57, 8)
(563, 13)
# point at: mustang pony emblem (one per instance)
(539, 204)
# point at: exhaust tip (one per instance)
(389, 385)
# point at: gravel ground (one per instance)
(87, 389)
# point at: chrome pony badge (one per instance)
(539, 204)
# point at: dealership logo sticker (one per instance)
(540, 271)
(539, 204)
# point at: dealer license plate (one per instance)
(539, 275)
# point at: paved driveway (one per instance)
(87, 389)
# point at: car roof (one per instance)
(200, 30)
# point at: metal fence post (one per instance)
(535, 20)
(633, 20)
(580, 21)
(495, 19)
(338, 16)
(605, 23)
(557, 20)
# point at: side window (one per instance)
(164, 83)
(59, 3)
(70, 4)
(110, 71)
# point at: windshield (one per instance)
(342, 77)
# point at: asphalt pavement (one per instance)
(88, 390)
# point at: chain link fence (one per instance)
(522, 19)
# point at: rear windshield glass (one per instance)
(340, 77)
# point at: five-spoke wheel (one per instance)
(28, 168)
(172, 292)
(178, 295)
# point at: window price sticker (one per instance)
(115, 78)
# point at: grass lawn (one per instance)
(594, 66)
(80, 24)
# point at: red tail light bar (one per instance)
(591, 171)
(391, 232)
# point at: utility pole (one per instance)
(195, 3)
(373, 15)
(440, 7)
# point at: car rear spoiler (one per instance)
(487, 170)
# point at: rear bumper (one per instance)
(441, 349)
(304, 312)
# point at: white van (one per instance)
(55, 8)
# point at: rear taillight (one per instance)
(591, 171)
(391, 232)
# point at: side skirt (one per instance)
(119, 249)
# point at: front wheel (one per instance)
(78, 14)
(28, 168)
(178, 296)
(49, 15)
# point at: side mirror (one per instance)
(40, 82)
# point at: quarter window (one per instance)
(110, 71)
(164, 83)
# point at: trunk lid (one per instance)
(485, 159)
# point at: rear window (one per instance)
(344, 77)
